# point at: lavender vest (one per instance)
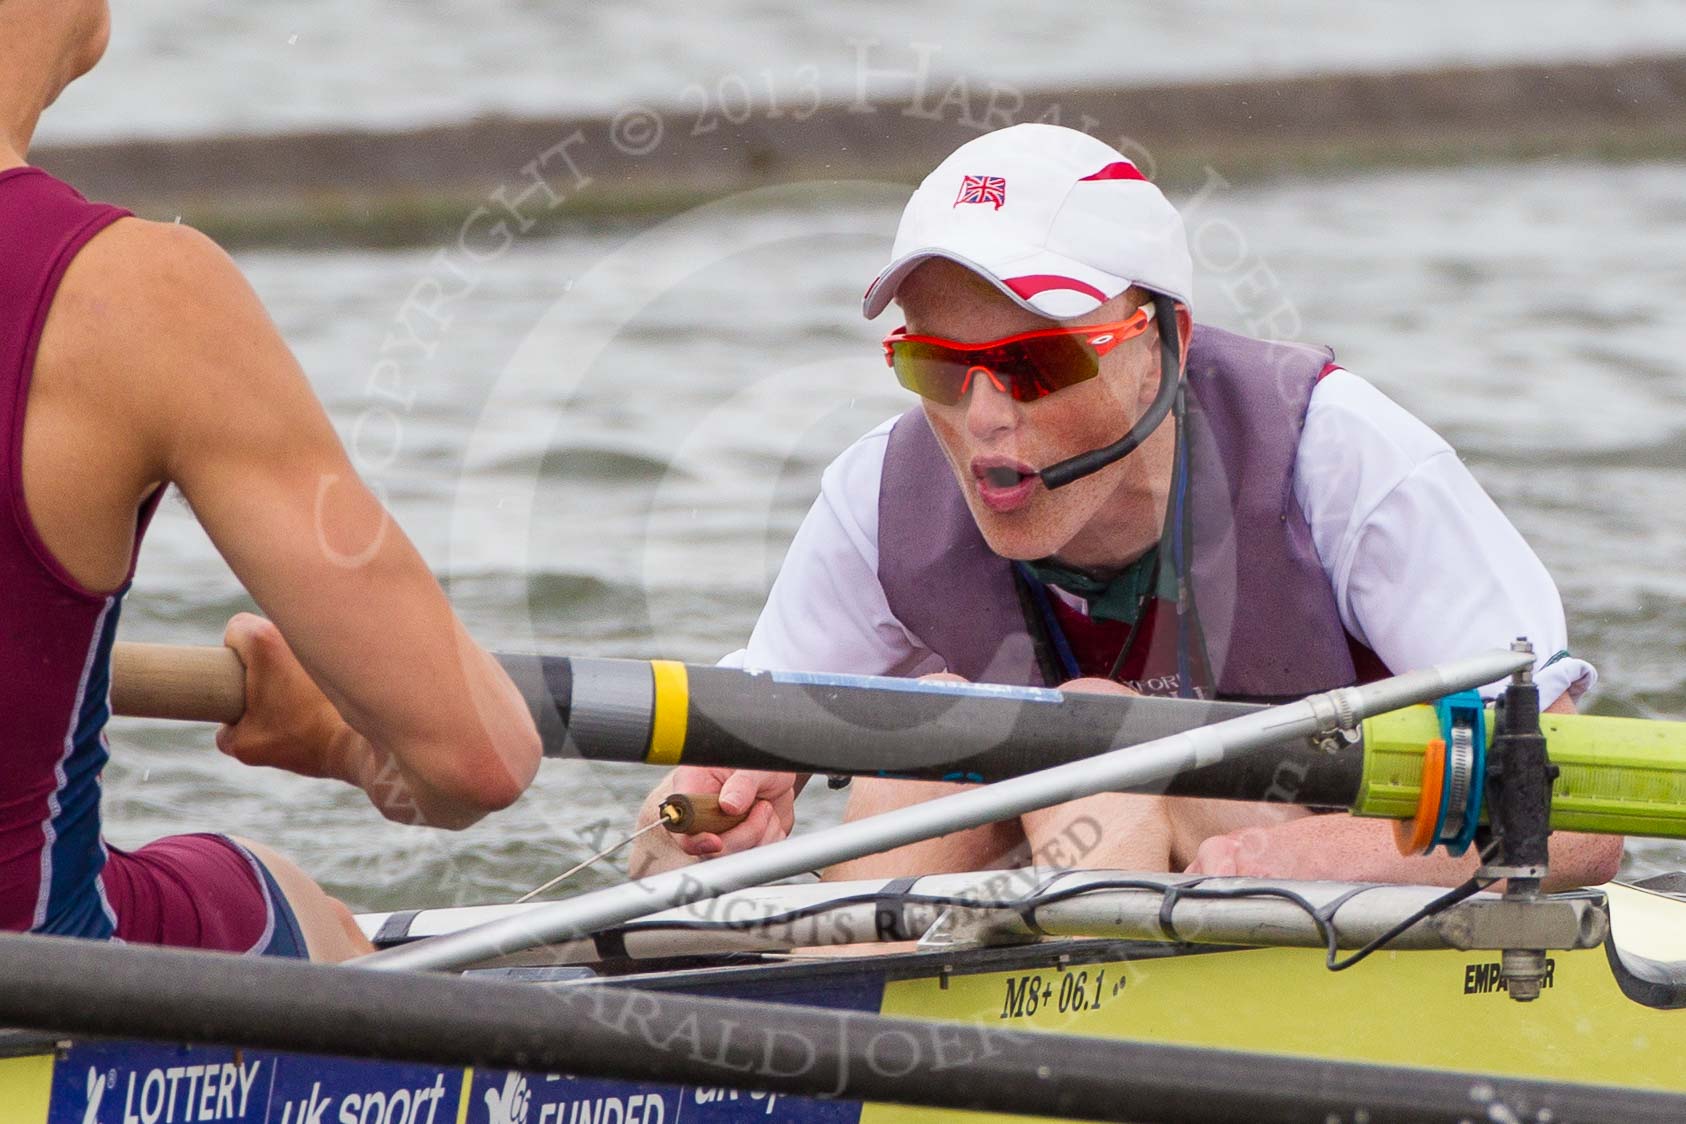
(1265, 607)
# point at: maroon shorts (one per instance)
(199, 891)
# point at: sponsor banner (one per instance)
(529, 1098)
(336, 1091)
(121, 1082)
(138, 1083)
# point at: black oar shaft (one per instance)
(624, 710)
(90, 988)
(663, 713)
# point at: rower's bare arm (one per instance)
(437, 731)
(1350, 849)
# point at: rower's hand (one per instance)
(768, 798)
(289, 723)
(1096, 686)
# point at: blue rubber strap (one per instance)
(1477, 782)
(1468, 706)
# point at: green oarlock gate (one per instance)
(1617, 776)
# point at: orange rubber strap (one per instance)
(1415, 836)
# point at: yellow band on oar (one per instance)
(667, 723)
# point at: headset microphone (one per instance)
(1170, 378)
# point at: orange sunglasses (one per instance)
(1028, 366)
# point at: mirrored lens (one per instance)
(930, 370)
(1031, 369)
(1042, 366)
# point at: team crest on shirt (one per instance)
(982, 189)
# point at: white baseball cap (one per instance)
(1055, 219)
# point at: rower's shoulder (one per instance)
(156, 302)
(136, 263)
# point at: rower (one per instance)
(1096, 493)
(134, 357)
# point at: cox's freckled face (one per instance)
(992, 441)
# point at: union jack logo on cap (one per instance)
(982, 189)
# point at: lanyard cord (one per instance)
(1172, 536)
(1047, 634)
(1179, 552)
(1050, 632)
(1142, 610)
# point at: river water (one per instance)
(197, 66)
(619, 428)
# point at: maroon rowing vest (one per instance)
(1266, 611)
(55, 635)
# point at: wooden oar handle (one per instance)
(692, 813)
(187, 684)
